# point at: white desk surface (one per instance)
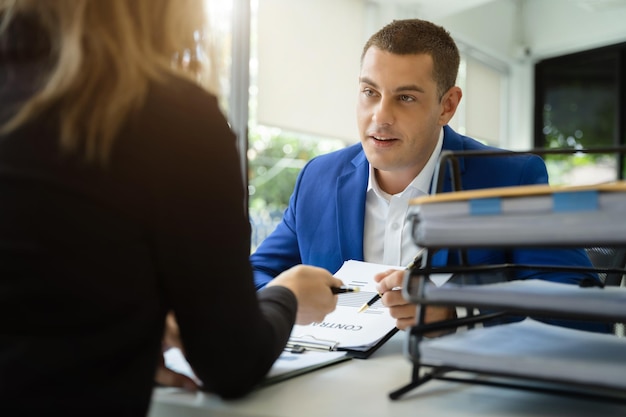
(360, 388)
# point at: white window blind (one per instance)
(483, 107)
(308, 65)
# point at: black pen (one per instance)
(344, 289)
(375, 298)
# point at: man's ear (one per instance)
(449, 103)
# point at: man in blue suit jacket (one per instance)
(352, 203)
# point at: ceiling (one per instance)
(440, 8)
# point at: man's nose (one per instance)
(383, 113)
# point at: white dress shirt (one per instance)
(387, 236)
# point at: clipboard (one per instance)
(308, 343)
(291, 364)
(359, 334)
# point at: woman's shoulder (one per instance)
(176, 94)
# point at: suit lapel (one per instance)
(452, 141)
(351, 190)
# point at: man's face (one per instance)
(399, 113)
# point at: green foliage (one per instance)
(275, 159)
(577, 116)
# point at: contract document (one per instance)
(347, 329)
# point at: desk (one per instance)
(360, 388)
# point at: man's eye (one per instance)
(368, 92)
(406, 98)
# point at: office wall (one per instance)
(558, 27)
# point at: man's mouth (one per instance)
(382, 139)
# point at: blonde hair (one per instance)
(105, 53)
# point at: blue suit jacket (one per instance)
(323, 225)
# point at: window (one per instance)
(299, 108)
(580, 103)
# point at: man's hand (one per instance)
(401, 309)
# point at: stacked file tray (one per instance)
(523, 351)
(590, 215)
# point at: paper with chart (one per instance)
(345, 326)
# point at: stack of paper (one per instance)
(532, 349)
(521, 216)
(534, 296)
